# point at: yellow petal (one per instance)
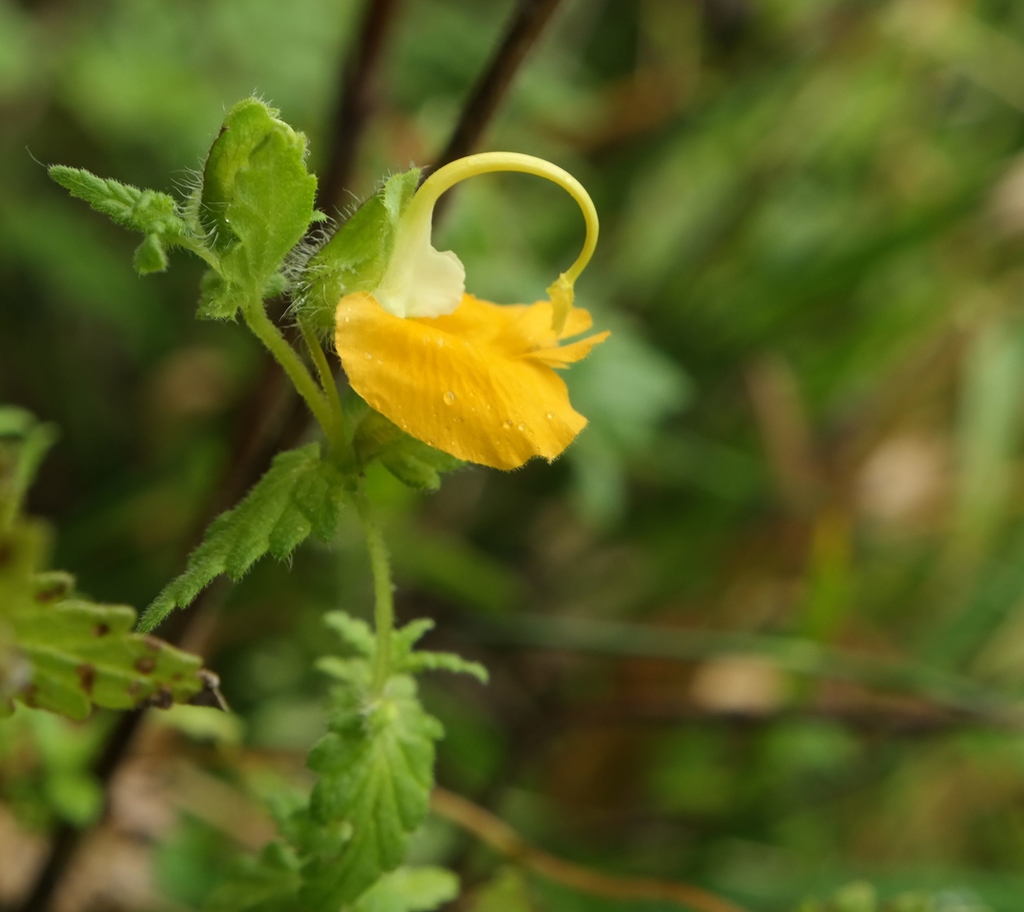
(564, 355)
(578, 321)
(470, 383)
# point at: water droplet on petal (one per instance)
(549, 416)
(348, 319)
(449, 397)
(368, 356)
(521, 426)
(507, 425)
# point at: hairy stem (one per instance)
(327, 380)
(267, 332)
(383, 590)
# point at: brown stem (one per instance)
(496, 80)
(506, 841)
(357, 99)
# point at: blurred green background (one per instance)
(762, 627)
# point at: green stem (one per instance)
(327, 381)
(267, 332)
(383, 591)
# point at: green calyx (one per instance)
(356, 256)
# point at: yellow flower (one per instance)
(474, 379)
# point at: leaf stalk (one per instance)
(317, 399)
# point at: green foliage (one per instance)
(155, 214)
(404, 658)
(355, 257)
(376, 770)
(375, 766)
(24, 443)
(835, 186)
(271, 882)
(413, 661)
(862, 897)
(58, 651)
(300, 494)
(409, 890)
(256, 204)
(411, 461)
(267, 883)
(59, 784)
(507, 892)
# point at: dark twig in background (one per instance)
(494, 83)
(273, 417)
(356, 101)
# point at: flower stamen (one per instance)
(421, 281)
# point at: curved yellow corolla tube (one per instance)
(474, 379)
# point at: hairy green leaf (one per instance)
(353, 631)
(411, 661)
(141, 210)
(410, 890)
(421, 661)
(358, 636)
(155, 214)
(355, 257)
(256, 203)
(218, 298)
(66, 654)
(376, 770)
(150, 256)
(299, 495)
